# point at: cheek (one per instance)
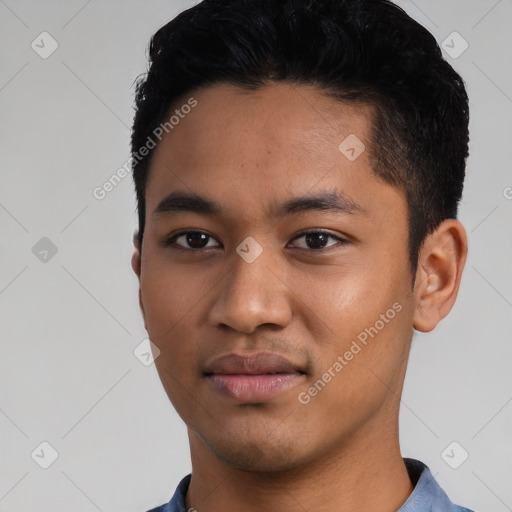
(173, 302)
(360, 369)
(171, 294)
(363, 316)
(348, 298)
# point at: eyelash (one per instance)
(169, 242)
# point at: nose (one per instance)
(250, 295)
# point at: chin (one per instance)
(248, 455)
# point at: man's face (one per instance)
(313, 299)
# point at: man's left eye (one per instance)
(319, 239)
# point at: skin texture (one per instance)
(246, 150)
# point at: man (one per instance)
(298, 166)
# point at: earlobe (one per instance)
(440, 264)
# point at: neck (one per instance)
(366, 473)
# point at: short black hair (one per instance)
(357, 51)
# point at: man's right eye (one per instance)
(194, 240)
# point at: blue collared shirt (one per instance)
(427, 495)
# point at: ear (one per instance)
(137, 266)
(440, 264)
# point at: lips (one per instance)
(252, 378)
(252, 364)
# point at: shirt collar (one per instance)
(427, 495)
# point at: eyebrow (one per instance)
(328, 200)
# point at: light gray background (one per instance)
(68, 327)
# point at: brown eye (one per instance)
(317, 240)
(191, 240)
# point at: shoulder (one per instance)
(177, 503)
(427, 495)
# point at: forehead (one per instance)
(285, 117)
(280, 141)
